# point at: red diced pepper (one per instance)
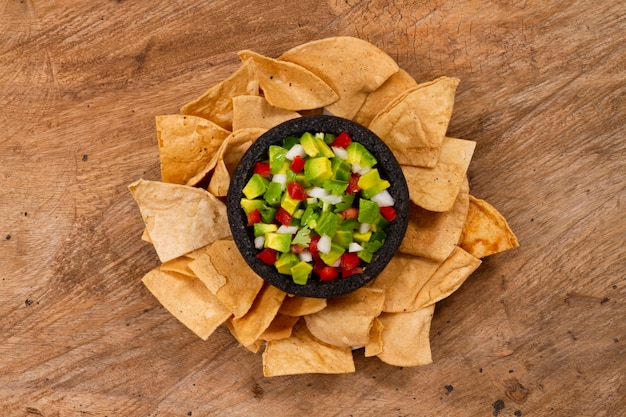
(349, 260)
(267, 255)
(296, 191)
(350, 213)
(389, 213)
(283, 216)
(350, 272)
(254, 217)
(342, 141)
(313, 247)
(353, 184)
(328, 273)
(263, 169)
(297, 165)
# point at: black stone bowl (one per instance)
(389, 169)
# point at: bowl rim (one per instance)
(388, 166)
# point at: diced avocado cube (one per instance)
(365, 255)
(302, 180)
(289, 203)
(256, 186)
(333, 255)
(318, 170)
(277, 155)
(298, 214)
(369, 180)
(362, 237)
(285, 262)
(341, 169)
(371, 192)
(249, 205)
(368, 211)
(273, 194)
(328, 223)
(278, 241)
(324, 148)
(308, 142)
(301, 272)
(335, 186)
(358, 154)
(343, 238)
(262, 228)
(267, 213)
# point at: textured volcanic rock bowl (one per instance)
(389, 169)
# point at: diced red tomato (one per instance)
(350, 213)
(328, 273)
(349, 261)
(313, 247)
(267, 255)
(389, 213)
(297, 165)
(296, 249)
(296, 191)
(350, 272)
(254, 217)
(263, 169)
(283, 216)
(343, 140)
(353, 184)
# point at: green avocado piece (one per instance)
(278, 241)
(309, 144)
(333, 255)
(273, 194)
(285, 262)
(301, 272)
(278, 158)
(261, 229)
(318, 170)
(255, 187)
(358, 154)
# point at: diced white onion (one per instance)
(358, 169)
(323, 245)
(287, 230)
(364, 170)
(296, 150)
(384, 199)
(318, 192)
(259, 242)
(305, 256)
(340, 153)
(281, 179)
(364, 227)
(354, 247)
(337, 263)
(332, 198)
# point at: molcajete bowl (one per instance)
(388, 168)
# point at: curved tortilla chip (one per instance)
(301, 306)
(256, 112)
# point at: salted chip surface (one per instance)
(188, 300)
(434, 235)
(350, 66)
(436, 188)
(257, 112)
(279, 328)
(179, 218)
(302, 353)
(486, 231)
(375, 344)
(406, 337)
(216, 103)
(179, 265)
(288, 85)
(414, 125)
(402, 279)
(301, 306)
(346, 321)
(186, 144)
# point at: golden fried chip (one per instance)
(216, 104)
(450, 275)
(414, 127)
(280, 328)
(435, 189)
(250, 327)
(402, 279)
(288, 85)
(186, 144)
(434, 235)
(179, 265)
(406, 337)
(486, 231)
(375, 344)
(347, 320)
(256, 112)
(397, 84)
(179, 218)
(350, 66)
(253, 347)
(301, 306)
(302, 353)
(188, 300)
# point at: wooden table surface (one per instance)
(537, 331)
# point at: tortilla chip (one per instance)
(145, 236)
(415, 126)
(486, 231)
(179, 218)
(350, 66)
(302, 353)
(288, 85)
(188, 300)
(256, 112)
(280, 328)
(406, 337)
(250, 327)
(402, 279)
(397, 84)
(436, 188)
(347, 320)
(301, 306)
(254, 347)
(434, 235)
(375, 344)
(186, 144)
(179, 265)
(216, 104)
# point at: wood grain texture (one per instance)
(536, 331)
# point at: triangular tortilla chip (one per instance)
(280, 328)
(216, 104)
(350, 66)
(179, 218)
(415, 126)
(186, 144)
(301, 353)
(301, 306)
(179, 265)
(188, 300)
(288, 85)
(256, 112)
(375, 344)
(486, 231)
(436, 188)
